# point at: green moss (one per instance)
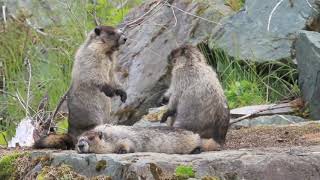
(101, 165)
(184, 172)
(7, 165)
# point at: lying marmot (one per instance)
(129, 139)
(196, 98)
(93, 82)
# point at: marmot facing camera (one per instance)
(196, 98)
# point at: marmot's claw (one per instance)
(164, 117)
(122, 94)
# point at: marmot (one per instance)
(196, 98)
(93, 82)
(129, 139)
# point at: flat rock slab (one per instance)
(294, 163)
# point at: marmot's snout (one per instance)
(82, 146)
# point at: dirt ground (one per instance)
(273, 136)
(259, 137)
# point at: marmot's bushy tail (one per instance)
(210, 145)
(55, 141)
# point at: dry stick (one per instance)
(186, 12)
(175, 17)
(257, 112)
(141, 17)
(309, 4)
(4, 15)
(271, 14)
(28, 87)
(96, 21)
(62, 99)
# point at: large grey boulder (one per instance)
(143, 64)
(294, 163)
(245, 35)
(308, 58)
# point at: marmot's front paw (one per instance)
(167, 114)
(164, 117)
(108, 90)
(122, 94)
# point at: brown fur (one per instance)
(93, 82)
(128, 139)
(58, 141)
(196, 98)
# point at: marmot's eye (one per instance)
(91, 138)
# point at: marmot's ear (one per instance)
(97, 30)
(100, 134)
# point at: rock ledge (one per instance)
(268, 163)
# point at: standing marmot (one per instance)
(129, 139)
(92, 83)
(196, 98)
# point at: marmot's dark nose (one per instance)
(125, 39)
(80, 146)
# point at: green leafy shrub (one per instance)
(242, 93)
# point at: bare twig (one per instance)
(4, 15)
(28, 87)
(175, 17)
(186, 12)
(257, 112)
(9, 94)
(35, 28)
(309, 4)
(129, 24)
(62, 99)
(19, 98)
(96, 20)
(271, 14)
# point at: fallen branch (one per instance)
(257, 112)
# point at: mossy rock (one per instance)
(9, 168)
